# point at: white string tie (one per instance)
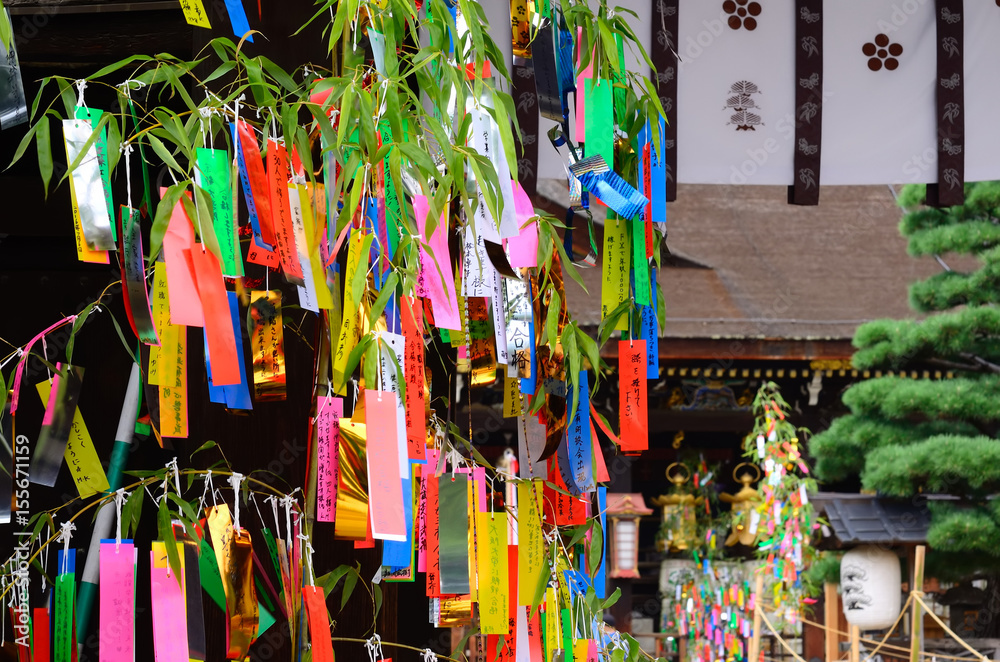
(234, 481)
(65, 535)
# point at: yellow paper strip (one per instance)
(323, 297)
(491, 557)
(194, 13)
(161, 317)
(511, 397)
(173, 392)
(349, 327)
(530, 542)
(553, 631)
(614, 272)
(81, 457)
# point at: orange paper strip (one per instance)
(319, 624)
(413, 370)
(281, 216)
(218, 319)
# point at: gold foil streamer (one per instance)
(520, 26)
(234, 554)
(267, 344)
(455, 612)
(88, 187)
(352, 491)
(482, 352)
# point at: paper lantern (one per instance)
(624, 510)
(870, 581)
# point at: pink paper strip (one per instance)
(185, 306)
(19, 372)
(328, 413)
(117, 626)
(580, 85)
(50, 406)
(385, 486)
(523, 248)
(170, 640)
(438, 287)
(479, 481)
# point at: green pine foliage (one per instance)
(923, 439)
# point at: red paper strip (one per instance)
(600, 467)
(328, 413)
(413, 369)
(41, 647)
(433, 525)
(632, 405)
(185, 307)
(258, 180)
(257, 254)
(281, 215)
(218, 320)
(385, 487)
(561, 508)
(535, 635)
(648, 183)
(319, 624)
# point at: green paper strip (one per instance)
(567, 635)
(93, 115)
(213, 175)
(211, 581)
(62, 645)
(640, 263)
(393, 213)
(599, 128)
(619, 93)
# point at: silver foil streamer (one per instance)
(517, 313)
(88, 187)
(13, 105)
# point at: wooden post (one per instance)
(917, 588)
(758, 591)
(831, 621)
(855, 643)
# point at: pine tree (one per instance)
(911, 438)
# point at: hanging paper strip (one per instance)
(517, 324)
(307, 290)
(234, 555)
(453, 533)
(237, 396)
(477, 269)
(352, 490)
(193, 607)
(173, 380)
(254, 181)
(81, 457)
(328, 413)
(57, 424)
(534, 627)
(238, 19)
(649, 333)
(390, 355)
(597, 178)
(523, 248)
(91, 203)
(436, 278)
(350, 330)
(600, 578)
(13, 105)
(167, 597)
(384, 481)
(808, 102)
(267, 344)
(530, 444)
(93, 115)
(579, 445)
(64, 639)
(221, 342)
(194, 13)
(950, 97)
(499, 319)
(413, 371)
(614, 274)
(634, 422)
(185, 306)
(526, 111)
(281, 217)
(543, 60)
(313, 224)
(561, 508)
(319, 624)
(599, 122)
(491, 557)
(530, 541)
(83, 252)
(41, 643)
(483, 360)
(432, 526)
(134, 277)
(485, 140)
(213, 175)
(211, 581)
(663, 53)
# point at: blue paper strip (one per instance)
(610, 188)
(395, 553)
(216, 394)
(579, 445)
(247, 191)
(528, 384)
(658, 175)
(600, 579)
(238, 19)
(70, 562)
(238, 395)
(650, 332)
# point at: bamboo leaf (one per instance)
(387, 292)
(350, 581)
(165, 531)
(44, 147)
(161, 220)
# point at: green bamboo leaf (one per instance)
(23, 145)
(163, 153)
(204, 447)
(6, 31)
(111, 68)
(121, 336)
(165, 531)
(329, 581)
(350, 581)
(595, 550)
(162, 218)
(354, 358)
(377, 595)
(387, 292)
(359, 281)
(81, 319)
(44, 146)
